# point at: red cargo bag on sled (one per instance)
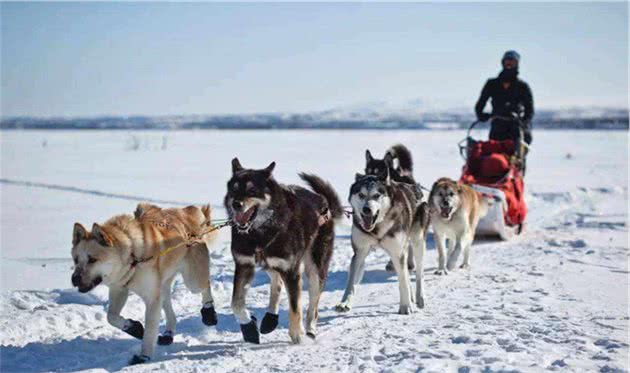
(490, 170)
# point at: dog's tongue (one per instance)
(445, 212)
(367, 221)
(243, 217)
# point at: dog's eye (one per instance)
(376, 196)
(362, 195)
(91, 259)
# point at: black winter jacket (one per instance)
(516, 99)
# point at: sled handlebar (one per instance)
(465, 143)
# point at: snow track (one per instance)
(555, 298)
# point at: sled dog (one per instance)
(387, 214)
(285, 229)
(402, 172)
(455, 212)
(124, 254)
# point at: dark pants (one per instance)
(504, 130)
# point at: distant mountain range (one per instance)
(377, 115)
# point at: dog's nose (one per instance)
(236, 205)
(76, 279)
(366, 210)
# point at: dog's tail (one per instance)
(323, 188)
(405, 162)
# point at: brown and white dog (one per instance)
(455, 212)
(124, 254)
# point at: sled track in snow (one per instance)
(100, 193)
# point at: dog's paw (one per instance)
(134, 328)
(420, 302)
(250, 332)
(311, 335)
(343, 307)
(406, 309)
(139, 359)
(269, 323)
(166, 338)
(465, 266)
(209, 315)
(296, 338)
(441, 272)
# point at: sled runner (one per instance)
(495, 169)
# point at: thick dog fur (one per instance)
(455, 212)
(123, 253)
(388, 214)
(403, 172)
(285, 229)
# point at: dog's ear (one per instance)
(368, 156)
(433, 191)
(142, 208)
(236, 166)
(101, 236)
(79, 233)
(269, 169)
(389, 160)
(358, 176)
(388, 179)
(460, 188)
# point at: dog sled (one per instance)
(495, 169)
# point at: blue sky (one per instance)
(87, 59)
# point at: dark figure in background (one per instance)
(511, 97)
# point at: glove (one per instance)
(483, 117)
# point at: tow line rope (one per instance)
(192, 239)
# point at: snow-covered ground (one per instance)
(554, 298)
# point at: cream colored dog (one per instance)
(455, 212)
(125, 254)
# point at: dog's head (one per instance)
(378, 167)
(249, 195)
(95, 259)
(370, 200)
(445, 197)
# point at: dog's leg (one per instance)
(466, 243)
(314, 292)
(152, 322)
(196, 274)
(357, 266)
(270, 321)
(208, 314)
(397, 249)
(440, 241)
(293, 283)
(419, 244)
(454, 249)
(117, 300)
(243, 275)
(411, 262)
(167, 337)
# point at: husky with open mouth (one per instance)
(387, 214)
(285, 229)
(401, 172)
(455, 212)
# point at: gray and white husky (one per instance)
(387, 214)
